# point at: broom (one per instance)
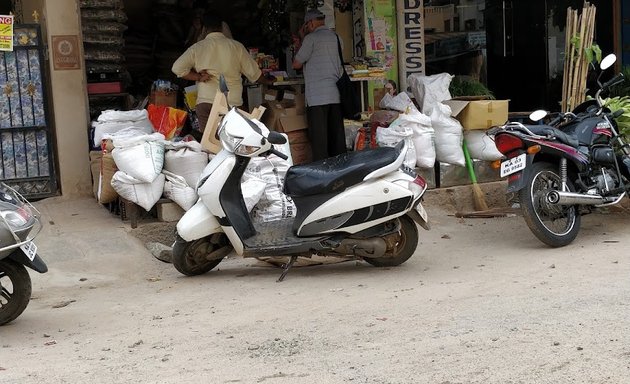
(479, 200)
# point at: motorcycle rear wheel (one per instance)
(554, 225)
(402, 247)
(15, 290)
(189, 257)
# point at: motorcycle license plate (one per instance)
(29, 249)
(513, 165)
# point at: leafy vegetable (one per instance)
(468, 87)
(623, 121)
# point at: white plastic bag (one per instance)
(448, 136)
(481, 145)
(423, 137)
(274, 204)
(394, 134)
(141, 157)
(430, 91)
(143, 194)
(401, 102)
(176, 189)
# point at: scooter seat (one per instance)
(335, 174)
(547, 130)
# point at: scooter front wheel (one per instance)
(400, 245)
(190, 257)
(15, 290)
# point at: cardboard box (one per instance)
(479, 114)
(168, 99)
(298, 137)
(283, 116)
(301, 153)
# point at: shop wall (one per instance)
(67, 98)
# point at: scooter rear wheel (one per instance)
(15, 290)
(189, 257)
(401, 245)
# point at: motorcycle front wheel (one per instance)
(400, 245)
(554, 225)
(189, 257)
(15, 290)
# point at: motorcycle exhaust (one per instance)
(374, 247)
(572, 198)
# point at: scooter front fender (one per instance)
(197, 222)
(37, 264)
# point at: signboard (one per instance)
(410, 39)
(6, 33)
(65, 52)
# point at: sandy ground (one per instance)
(481, 301)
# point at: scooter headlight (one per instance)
(246, 150)
(229, 142)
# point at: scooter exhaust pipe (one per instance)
(572, 198)
(374, 247)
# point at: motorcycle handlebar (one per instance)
(614, 81)
(278, 153)
(617, 113)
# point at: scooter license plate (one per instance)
(513, 165)
(29, 249)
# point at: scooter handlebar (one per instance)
(278, 153)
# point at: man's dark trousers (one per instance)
(325, 130)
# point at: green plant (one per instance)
(463, 86)
(623, 121)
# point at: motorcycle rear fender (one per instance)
(197, 222)
(36, 265)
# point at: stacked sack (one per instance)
(183, 163)
(111, 121)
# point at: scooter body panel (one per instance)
(197, 222)
(361, 206)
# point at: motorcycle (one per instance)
(19, 224)
(566, 168)
(360, 205)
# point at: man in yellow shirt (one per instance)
(211, 57)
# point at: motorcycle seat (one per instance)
(335, 174)
(547, 130)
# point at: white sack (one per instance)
(143, 194)
(253, 189)
(481, 145)
(112, 121)
(274, 204)
(430, 91)
(423, 137)
(141, 157)
(186, 162)
(394, 134)
(176, 189)
(448, 136)
(401, 103)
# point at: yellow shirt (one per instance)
(218, 55)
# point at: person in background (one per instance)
(211, 57)
(319, 57)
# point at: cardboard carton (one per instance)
(301, 153)
(479, 114)
(283, 116)
(298, 137)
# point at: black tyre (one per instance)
(400, 245)
(554, 225)
(190, 259)
(15, 290)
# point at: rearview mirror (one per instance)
(608, 61)
(538, 115)
(223, 85)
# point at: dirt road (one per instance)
(482, 301)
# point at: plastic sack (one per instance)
(252, 189)
(142, 194)
(167, 120)
(366, 138)
(430, 91)
(185, 159)
(112, 121)
(481, 146)
(106, 193)
(141, 157)
(448, 136)
(176, 189)
(274, 204)
(423, 137)
(394, 134)
(401, 102)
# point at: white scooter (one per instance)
(360, 205)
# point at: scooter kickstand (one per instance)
(287, 266)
